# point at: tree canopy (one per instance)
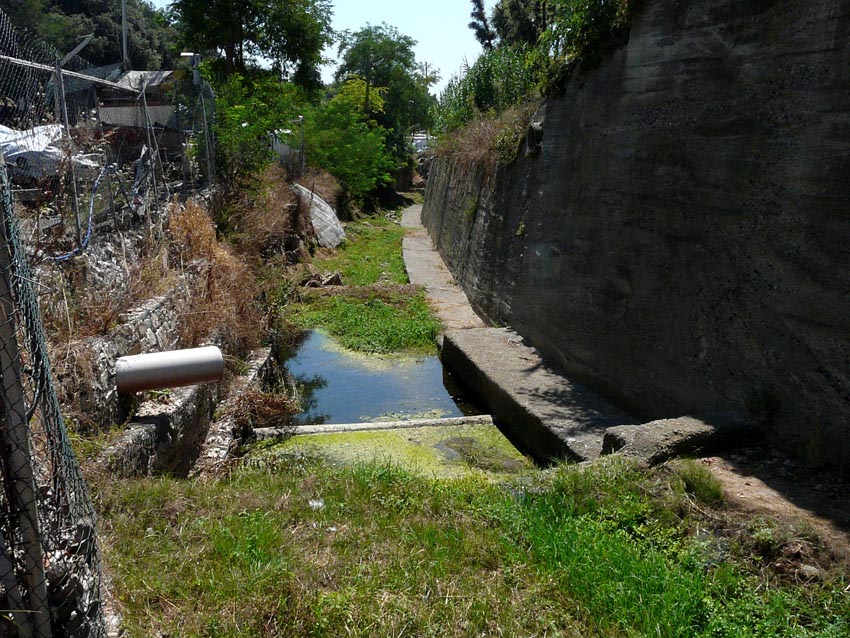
(384, 58)
(61, 23)
(291, 33)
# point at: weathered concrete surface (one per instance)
(263, 434)
(658, 441)
(425, 267)
(544, 413)
(681, 241)
(223, 436)
(166, 434)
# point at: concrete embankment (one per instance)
(678, 238)
(545, 413)
(542, 412)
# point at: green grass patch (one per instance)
(371, 254)
(383, 322)
(303, 548)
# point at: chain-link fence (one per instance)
(83, 151)
(92, 149)
(50, 575)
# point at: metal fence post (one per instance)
(18, 478)
(64, 109)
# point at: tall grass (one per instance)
(302, 548)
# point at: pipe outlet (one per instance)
(158, 370)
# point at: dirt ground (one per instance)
(761, 481)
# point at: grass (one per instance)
(383, 322)
(370, 255)
(302, 548)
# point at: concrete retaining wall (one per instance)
(681, 241)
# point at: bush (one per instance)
(248, 111)
(342, 141)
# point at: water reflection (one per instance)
(338, 386)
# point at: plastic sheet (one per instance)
(329, 231)
(37, 152)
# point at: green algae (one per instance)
(437, 451)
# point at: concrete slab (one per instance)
(545, 413)
(425, 268)
(657, 441)
(262, 434)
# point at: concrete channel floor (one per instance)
(543, 412)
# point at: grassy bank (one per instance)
(376, 311)
(306, 549)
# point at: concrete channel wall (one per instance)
(680, 240)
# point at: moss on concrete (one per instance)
(444, 452)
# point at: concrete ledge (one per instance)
(546, 414)
(222, 437)
(165, 436)
(262, 434)
(657, 441)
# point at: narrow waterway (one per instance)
(340, 386)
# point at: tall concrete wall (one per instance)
(682, 240)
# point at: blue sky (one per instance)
(439, 27)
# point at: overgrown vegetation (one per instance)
(381, 320)
(530, 49)
(305, 549)
(376, 311)
(370, 255)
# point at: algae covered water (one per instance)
(340, 386)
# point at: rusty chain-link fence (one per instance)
(90, 150)
(49, 562)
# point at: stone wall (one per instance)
(681, 241)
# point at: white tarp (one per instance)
(328, 229)
(37, 152)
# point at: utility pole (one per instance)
(125, 60)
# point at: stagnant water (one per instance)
(339, 386)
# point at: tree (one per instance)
(292, 33)
(342, 140)
(383, 57)
(61, 23)
(249, 110)
(481, 26)
(521, 22)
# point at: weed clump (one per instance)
(698, 481)
(489, 139)
(223, 294)
(255, 409)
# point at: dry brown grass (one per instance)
(223, 300)
(490, 138)
(255, 409)
(323, 184)
(269, 221)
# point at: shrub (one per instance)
(342, 141)
(248, 111)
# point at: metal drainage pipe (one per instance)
(173, 369)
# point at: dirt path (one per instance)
(760, 481)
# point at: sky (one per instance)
(439, 27)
